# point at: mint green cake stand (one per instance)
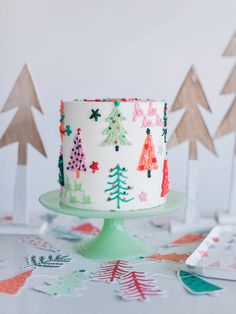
(113, 241)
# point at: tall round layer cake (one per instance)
(113, 154)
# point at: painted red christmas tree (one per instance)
(136, 285)
(165, 180)
(111, 271)
(148, 160)
(13, 284)
(77, 161)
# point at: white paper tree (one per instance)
(228, 125)
(191, 128)
(23, 130)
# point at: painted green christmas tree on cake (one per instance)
(119, 190)
(116, 133)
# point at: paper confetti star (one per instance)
(94, 166)
(95, 114)
(143, 196)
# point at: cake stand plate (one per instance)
(113, 241)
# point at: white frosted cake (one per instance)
(113, 154)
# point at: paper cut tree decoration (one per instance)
(137, 285)
(228, 125)
(165, 180)
(61, 179)
(170, 257)
(148, 160)
(49, 261)
(192, 128)
(77, 161)
(119, 190)
(111, 271)
(195, 284)
(22, 130)
(69, 285)
(116, 133)
(12, 285)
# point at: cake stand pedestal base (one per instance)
(113, 241)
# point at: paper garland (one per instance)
(137, 285)
(13, 284)
(49, 261)
(195, 284)
(111, 271)
(39, 243)
(69, 285)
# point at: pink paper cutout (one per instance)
(13, 284)
(215, 239)
(215, 264)
(203, 253)
(39, 243)
(111, 271)
(137, 285)
(86, 227)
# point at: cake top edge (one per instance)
(113, 100)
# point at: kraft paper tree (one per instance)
(148, 160)
(119, 190)
(23, 131)
(192, 128)
(77, 161)
(116, 133)
(228, 124)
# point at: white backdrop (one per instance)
(123, 48)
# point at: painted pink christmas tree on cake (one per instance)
(148, 160)
(165, 180)
(77, 161)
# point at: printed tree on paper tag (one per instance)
(23, 130)
(148, 160)
(69, 285)
(138, 286)
(49, 261)
(111, 271)
(77, 161)
(119, 190)
(165, 179)
(191, 128)
(12, 285)
(228, 123)
(196, 285)
(116, 133)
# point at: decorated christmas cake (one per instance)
(113, 154)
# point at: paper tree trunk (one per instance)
(192, 213)
(21, 214)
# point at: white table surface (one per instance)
(99, 298)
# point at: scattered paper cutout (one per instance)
(233, 266)
(189, 238)
(86, 227)
(62, 233)
(13, 284)
(195, 284)
(68, 285)
(49, 261)
(215, 264)
(6, 218)
(138, 286)
(203, 253)
(171, 257)
(39, 243)
(111, 271)
(215, 239)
